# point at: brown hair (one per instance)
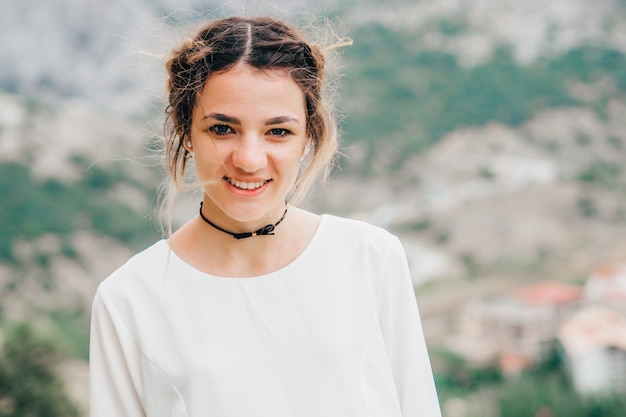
(263, 43)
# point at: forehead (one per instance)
(247, 91)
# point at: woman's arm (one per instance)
(404, 338)
(114, 364)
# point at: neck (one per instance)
(267, 230)
(220, 254)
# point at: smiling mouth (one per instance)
(243, 185)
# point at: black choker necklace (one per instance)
(263, 231)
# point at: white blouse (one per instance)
(336, 333)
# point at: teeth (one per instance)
(246, 185)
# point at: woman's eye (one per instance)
(220, 130)
(279, 132)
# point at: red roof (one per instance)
(607, 271)
(550, 292)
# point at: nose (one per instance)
(250, 154)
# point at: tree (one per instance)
(29, 386)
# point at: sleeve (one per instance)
(114, 364)
(404, 338)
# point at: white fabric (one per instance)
(336, 333)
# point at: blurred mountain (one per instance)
(490, 135)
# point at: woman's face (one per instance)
(248, 135)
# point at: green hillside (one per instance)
(37, 207)
(399, 98)
(397, 94)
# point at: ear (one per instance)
(188, 145)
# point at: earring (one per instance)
(307, 147)
(189, 144)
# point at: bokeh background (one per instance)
(490, 135)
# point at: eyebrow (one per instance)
(281, 119)
(222, 118)
(230, 119)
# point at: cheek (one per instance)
(208, 163)
(209, 152)
(293, 159)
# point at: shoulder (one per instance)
(358, 229)
(368, 251)
(359, 235)
(139, 271)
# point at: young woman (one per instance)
(256, 307)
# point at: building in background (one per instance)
(517, 330)
(607, 286)
(593, 342)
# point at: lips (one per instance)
(246, 185)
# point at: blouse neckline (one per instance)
(297, 260)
